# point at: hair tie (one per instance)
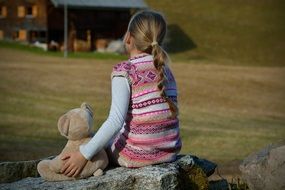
(154, 43)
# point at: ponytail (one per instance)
(160, 57)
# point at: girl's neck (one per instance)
(135, 52)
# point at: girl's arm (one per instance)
(115, 121)
(74, 162)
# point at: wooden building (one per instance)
(91, 23)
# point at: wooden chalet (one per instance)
(91, 23)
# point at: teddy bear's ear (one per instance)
(85, 105)
(63, 125)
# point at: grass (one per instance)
(36, 50)
(245, 32)
(226, 111)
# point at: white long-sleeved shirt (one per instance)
(115, 120)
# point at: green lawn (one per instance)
(245, 32)
(226, 112)
(86, 55)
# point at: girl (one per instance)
(142, 127)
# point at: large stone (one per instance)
(265, 169)
(12, 171)
(207, 166)
(175, 175)
(221, 184)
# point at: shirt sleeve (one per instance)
(115, 120)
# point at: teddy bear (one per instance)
(76, 125)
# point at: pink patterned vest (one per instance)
(149, 135)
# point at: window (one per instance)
(1, 35)
(3, 11)
(22, 35)
(35, 10)
(21, 11)
(31, 11)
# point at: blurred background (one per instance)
(227, 57)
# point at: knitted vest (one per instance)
(149, 135)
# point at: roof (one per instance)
(122, 4)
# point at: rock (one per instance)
(266, 168)
(207, 166)
(12, 171)
(175, 175)
(196, 179)
(221, 184)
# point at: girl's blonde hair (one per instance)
(148, 28)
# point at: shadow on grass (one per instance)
(178, 41)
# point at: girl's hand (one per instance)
(73, 163)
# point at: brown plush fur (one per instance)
(76, 126)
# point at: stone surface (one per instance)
(12, 171)
(207, 166)
(168, 176)
(221, 184)
(266, 168)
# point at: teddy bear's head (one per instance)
(76, 123)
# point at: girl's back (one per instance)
(151, 132)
